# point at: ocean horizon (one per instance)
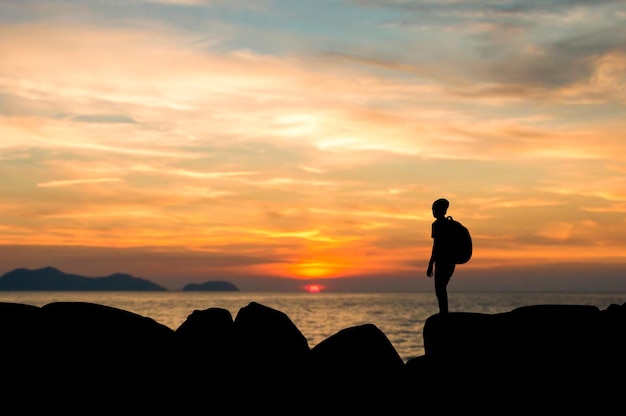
(400, 316)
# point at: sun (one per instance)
(314, 288)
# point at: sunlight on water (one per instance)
(400, 316)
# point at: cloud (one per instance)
(73, 182)
(301, 135)
(99, 118)
(507, 48)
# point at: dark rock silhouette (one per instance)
(208, 328)
(206, 333)
(551, 357)
(564, 356)
(360, 349)
(51, 279)
(213, 285)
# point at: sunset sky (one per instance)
(276, 144)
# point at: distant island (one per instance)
(52, 279)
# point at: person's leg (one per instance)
(443, 273)
(441, 293)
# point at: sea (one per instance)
(400, 316)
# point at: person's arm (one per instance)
(431, 262)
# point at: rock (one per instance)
(555, 357)
(205, 350)
(361, 364)
(268, 341)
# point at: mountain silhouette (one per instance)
(51, 279)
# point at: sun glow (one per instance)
(314, 288)
(314, 269)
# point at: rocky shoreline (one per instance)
(561, 356)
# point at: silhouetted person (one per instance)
(440, 260)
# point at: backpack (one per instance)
(460, 241)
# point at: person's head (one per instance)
(440, 207)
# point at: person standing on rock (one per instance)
(440, 261)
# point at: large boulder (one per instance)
(207, 331)
(357, 370)
(22, 342)
(558, 355)
(20, 324)
(102, 350)
(269, 343)
(205, 355)
(359, 354)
